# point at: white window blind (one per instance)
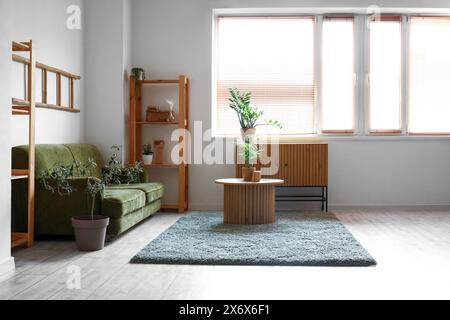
(272, 57)
(429, 75)
(385, 74)
(338, 74)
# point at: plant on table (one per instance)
(247, 114)
(251, 153)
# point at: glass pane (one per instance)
(274, 59)
(338, 74)
(430, 75)
(385, 75)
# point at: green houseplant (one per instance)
(147, 154)
(90, 230)
(248, 115)
(250, 152)
(138, 73)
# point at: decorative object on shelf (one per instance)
(90, 231)
(171, 110)
(147, 155)
(251, 153)
(159, 154)
(156, 115)
(138, 73)
(247, 114)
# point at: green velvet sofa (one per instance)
(126, 205)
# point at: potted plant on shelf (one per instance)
(251, 153)
(147, 154)
(247, 114)
(138, 73)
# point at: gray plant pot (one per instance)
(90, 234)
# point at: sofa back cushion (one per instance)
(82, 153)
(49, 156)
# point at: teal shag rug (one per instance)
(296, 239)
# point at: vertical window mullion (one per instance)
(366, 75)
(318, 73)
(360, 61)
(405, 74)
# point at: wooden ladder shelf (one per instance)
(27, 239)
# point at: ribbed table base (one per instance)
(249, 204)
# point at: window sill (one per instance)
(324, 138)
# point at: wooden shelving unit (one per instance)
(136, 124)
(27, 109)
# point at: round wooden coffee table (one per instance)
(249, 203)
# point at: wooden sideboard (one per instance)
(299, 165)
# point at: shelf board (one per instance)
(20, 113)
(160, 82)
(20, 46)
(18, 239)
(19, 177)
(20, 173)
(158, 123)
(18, 103)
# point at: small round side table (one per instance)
(249, 203)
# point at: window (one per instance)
(385, 75)
(273, 58)
(429, 99)
(338, 75)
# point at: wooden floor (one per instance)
(412, 250)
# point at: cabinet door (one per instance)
(304, 165)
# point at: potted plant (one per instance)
(147, 155)
(138, 73)
(90, 230)
(247, 114)
(251, 153)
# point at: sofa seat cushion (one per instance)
(118, 203)
(153, 191)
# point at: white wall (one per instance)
(107, 59)
(44, 22)
(172, 37)
(6, 262)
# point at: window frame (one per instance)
(361, 117)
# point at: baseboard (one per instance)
(7, 267)
(205, 207)
(353, 207)
(416, 207)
